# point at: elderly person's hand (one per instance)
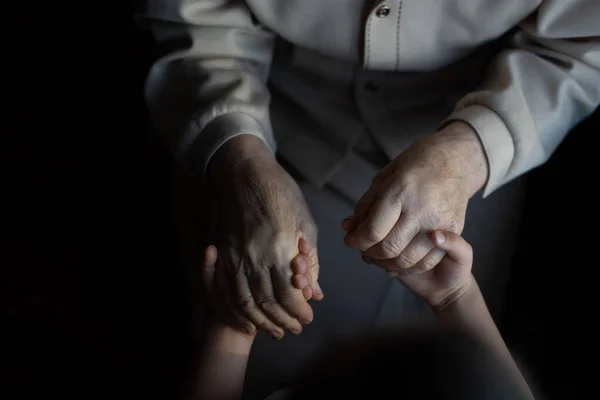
(262, 218)
(425, 188)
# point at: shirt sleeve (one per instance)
(208, 84)
(537, 89)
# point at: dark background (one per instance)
(93, 292)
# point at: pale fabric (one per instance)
(522, 89)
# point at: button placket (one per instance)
(381, 36)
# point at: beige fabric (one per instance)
(349, 67)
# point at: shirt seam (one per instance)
(398, 34)
(368, 41)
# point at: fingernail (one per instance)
(305, 321)
(296, 331)
(318, 289)
(440, 237)
(276, 335)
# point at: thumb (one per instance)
(305, 247)
(457, 249)
(208, 267)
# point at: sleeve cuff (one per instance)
(496, 140)
(219, 131)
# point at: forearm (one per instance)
(468, 312)
(236, 153)
(223, 366)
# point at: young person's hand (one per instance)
(450, 279)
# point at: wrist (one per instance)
(460, 295)
(471, 154)
(224, 337)
(235, 155)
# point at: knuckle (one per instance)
(395, 201)
(373, 232)
(288, 299)
(404, 260)
(427, 264)
(267, 303)
(412, 218)
(246, 303)
(389, 249)
(247, 328)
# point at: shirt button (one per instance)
(382, 11)
(371, 86)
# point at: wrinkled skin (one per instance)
(423, 189)
(449, 279)
(263, 223)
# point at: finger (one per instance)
(350, 223)
(303, 282)
(418, 248)
(208, 268)
(366, 201)
(314, 270)
(230, 311)
(214, 295)
(301, 264)
(362, 207)
(261, 286)
(314, 267)
(430, 261)
(457, 248)
(246, 302)
(396, 240)
(308, 293)
(380, 220)
(304, 246)
(291, 299)
(300, 281)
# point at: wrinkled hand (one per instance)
(301, 278)
(262, 217)
(448, 280)
(425, 188)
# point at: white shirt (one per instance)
(522, 73)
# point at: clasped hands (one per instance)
(267, 267)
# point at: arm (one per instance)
(223, 364)
(452, 292)
(224, 352)
(538, 88)
(207, 95)
(468, 312)
(209, 84)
